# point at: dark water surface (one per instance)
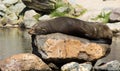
(14, 41)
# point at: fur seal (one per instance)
(72, 26)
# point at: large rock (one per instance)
(61, 47)
(40, 5)
(74, 66)
(23, 62)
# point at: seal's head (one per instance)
(37, 29)
(107, 33)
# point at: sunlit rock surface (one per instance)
(24, 61)
(115, 27)
(74, 66)
(115, 15)
(60, 46)
(109, 66)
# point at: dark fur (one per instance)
(71, 26)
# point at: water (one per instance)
(115, 52)
(14, 41)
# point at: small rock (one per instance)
(3, 7)
(16, 26)
(12, 16)
(2, 14)
(29, 19)
(4, 21)
(23, 62)
(1, 25)
(62, 9)
(115, 27)
(77, 10)
(110, 66)
(53, 67)
(9, 2)
(115, 15)
(74, 66)
(8, 25)
(85, 66)
(45, 17)
(17, 8)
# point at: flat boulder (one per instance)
(59, 47)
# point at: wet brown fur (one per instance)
(72, 26)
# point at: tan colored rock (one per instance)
(24, 61)
(69, 48)
(60, 46)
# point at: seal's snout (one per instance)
(31, 31)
